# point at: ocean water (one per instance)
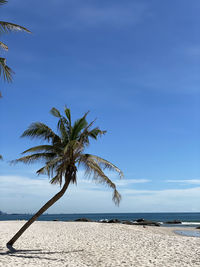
(188, 219)
(188, 233)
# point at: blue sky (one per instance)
(136, 66)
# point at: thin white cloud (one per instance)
(24, 185)
(109, 15)
(127, 182)
(115, 15)
(187, 181)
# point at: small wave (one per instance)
(103, 220)
(191, 223)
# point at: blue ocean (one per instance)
(188, 219)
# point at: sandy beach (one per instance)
(77, 244)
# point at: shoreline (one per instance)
(181, 226)
(187, 219)
(77, 244)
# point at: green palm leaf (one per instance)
(68, 115)
(94, 170)
(8, 27)
(34, 158)
(3, 46)
(50, 166)
(55, 112)
(2, 2)
(46, 148)
(105, 164)
(5, 71)
(42, 131)
(78, 126)
(96, 132)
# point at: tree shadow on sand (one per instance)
(37, 253)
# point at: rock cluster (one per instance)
(174, 222)
(137, 222)
(83, 220)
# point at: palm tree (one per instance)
(6, 27)
(63, 154)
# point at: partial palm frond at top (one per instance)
(5, 27)
(63, 151)
(2, 2)
(5, 71)
(8, 27)
(3, 46)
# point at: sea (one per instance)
(188, 219)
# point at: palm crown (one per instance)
(6, 27)
(65, 151)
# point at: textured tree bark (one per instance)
(40, 212)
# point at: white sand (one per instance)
(77, 244)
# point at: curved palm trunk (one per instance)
(40, 212)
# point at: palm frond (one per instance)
(86, 133)
(83, 137)
(60, 171)
(68, 115)
(46, 148)
(116, 197)
(57, 179)
(3, 46)
(8, 27)
(2, 2)
(50, 167)
(96, 132)
(41, 130)
(55, 113)
(63, 129)
(5, 71)
(34, 158)
(72, 145)
(63, 125)
(105, 164)
(78, 126)
(1, 157)
(93, 169)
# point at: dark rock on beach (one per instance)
(144, 222)
(140, 220)
(174, 222)
(198, 227)
(127, 222)
(83, 220)
(114, 221)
